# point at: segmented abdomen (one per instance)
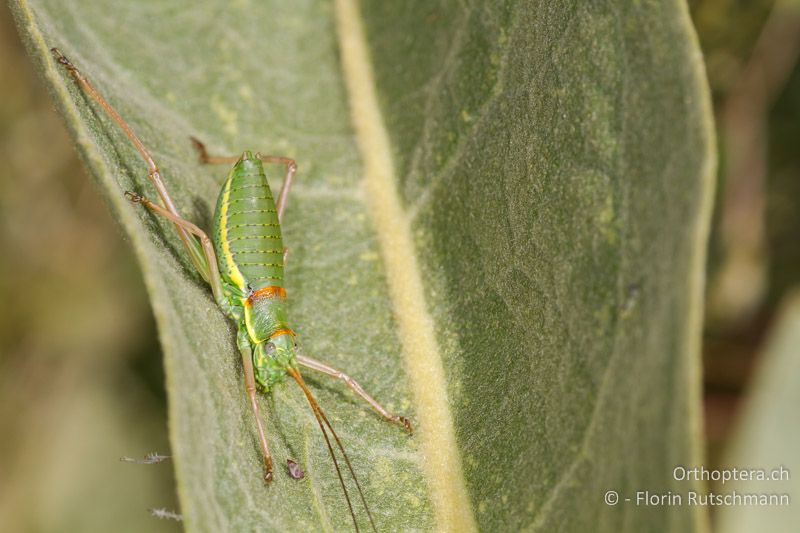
(247, 235)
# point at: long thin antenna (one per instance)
(349, 466)
(336, 465)
(320, 416)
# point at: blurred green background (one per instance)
(80, 371)
(751, 50)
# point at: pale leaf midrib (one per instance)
(393, 229)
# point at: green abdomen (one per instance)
(247, 235)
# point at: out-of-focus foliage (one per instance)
(769, 436)
(727, 31)
(783, 200)
(731, 34)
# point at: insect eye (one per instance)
(270, 348)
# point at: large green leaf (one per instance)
(498, 227)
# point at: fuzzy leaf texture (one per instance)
(498, 227)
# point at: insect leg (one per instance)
(355, 387)
(250, 388)
(216, 287)
(291, 168)
(153, 173)
(210, 259)
(206, 159)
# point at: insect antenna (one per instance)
(322, 420)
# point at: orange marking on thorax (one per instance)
(267, 292)
(282, 331)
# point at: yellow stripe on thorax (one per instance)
(247, 321)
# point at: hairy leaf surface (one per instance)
(498, 227)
